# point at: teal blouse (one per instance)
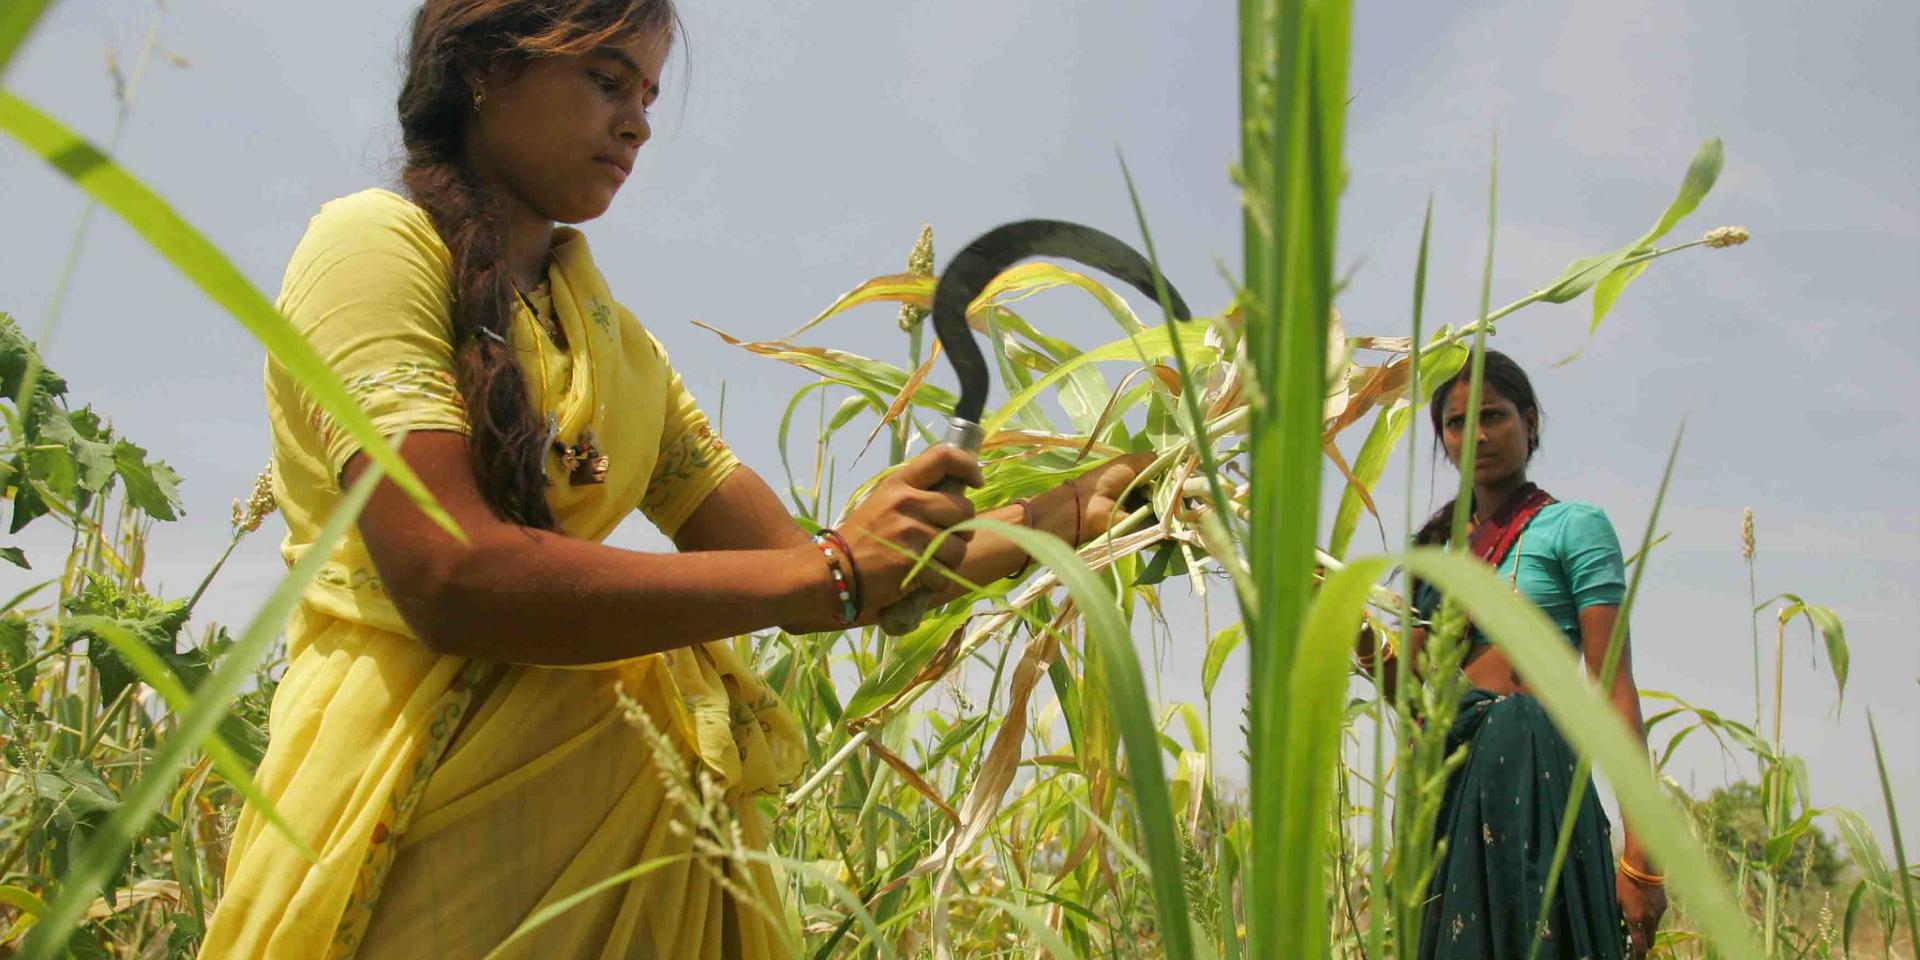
(1567, 559)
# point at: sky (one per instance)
(800, 146)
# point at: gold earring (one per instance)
(479, 97)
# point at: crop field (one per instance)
(1003, 780)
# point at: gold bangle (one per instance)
(1640, 876)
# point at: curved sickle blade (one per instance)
(975, 266)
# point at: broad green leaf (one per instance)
(1582, 274)
(107, 848)
(1780, 845)
(1863, 849)
(199, 261)
(1701, 174)
(153, 487)
(906, 658)
(1388, 427)
(1538, 652)
(1827, 623)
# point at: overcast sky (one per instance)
(801, 145)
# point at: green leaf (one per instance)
(17, 18)
(1582, 274)
(1308, 727)
(1152, 344)
(1864, 850)
(1780, 846)
(1827, 623)
(1218, 649)
(1893, 824)
(17, 354)
(1167, 561)
(199, 261)
(906, 657)
(16, 644)
(1129, 707)
(153, 487)
(15, 556)
(197, 721)
(1701, 174)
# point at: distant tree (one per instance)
(1735, 825)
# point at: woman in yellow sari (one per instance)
(462, 732)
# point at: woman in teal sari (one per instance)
(1501, 813)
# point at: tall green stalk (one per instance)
(1293, 114)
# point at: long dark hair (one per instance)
(509, 439)
(1504, 376)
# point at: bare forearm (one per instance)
(1626, 703)
(538, 598)
(991, 556)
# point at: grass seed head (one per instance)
(1726, 237)
(1746, 534)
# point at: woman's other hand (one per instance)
(1641, 906)
(1105, 488)
(892, 527)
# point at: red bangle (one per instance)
(1026, 520)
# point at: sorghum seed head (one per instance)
(259, 503)
(919, 264)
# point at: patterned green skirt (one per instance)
(1501, 817)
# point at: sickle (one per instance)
(971, 270)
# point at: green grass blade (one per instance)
(1616, 643)
(1132, 711)
(96, 862)
(1893, 825)
(1539, 652)
(199, 261)
(17, 19)
(1470, 434)
(1310, 748)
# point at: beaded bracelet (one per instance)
(841, 588)
(1640, 876)
(853, 568)
(1026, 520)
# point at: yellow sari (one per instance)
(450, 801)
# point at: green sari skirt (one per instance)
(1501, 819)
